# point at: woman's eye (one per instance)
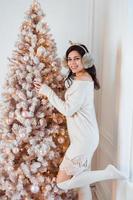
(77, 58)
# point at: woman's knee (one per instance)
(58, 179)
(62, 176)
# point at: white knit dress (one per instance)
(79, 110)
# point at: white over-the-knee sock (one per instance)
(84, 193)
(88, 177)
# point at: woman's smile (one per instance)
(74, 67)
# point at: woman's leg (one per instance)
(84, 193)
(62, 176)
(88, 177)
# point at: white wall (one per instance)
(68, 20)
(111, 50)
(125, 154)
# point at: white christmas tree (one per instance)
(33, 136)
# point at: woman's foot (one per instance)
(114, 172)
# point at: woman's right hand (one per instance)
(37, 86)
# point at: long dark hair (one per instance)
(90, 70)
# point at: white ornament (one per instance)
(15, 150)
(61, 140)
(26, 58)
(41, 51)
(35, 188)
(35, 60)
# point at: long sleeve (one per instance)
(68, 107)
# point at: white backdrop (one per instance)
(67, 19)
(113, 52)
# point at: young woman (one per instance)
(78, 107)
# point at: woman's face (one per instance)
(74, 62)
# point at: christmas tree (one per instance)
(33, 136)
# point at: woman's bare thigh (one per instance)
(62, 176)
